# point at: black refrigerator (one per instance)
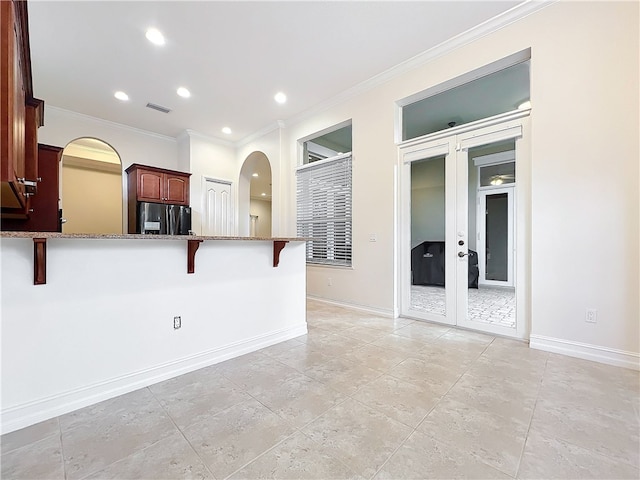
(161, 219)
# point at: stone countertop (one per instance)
(118, 236)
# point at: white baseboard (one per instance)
(354, 306)
(596, 353)
(20, 416)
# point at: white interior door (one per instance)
(438, 246)
(218, 213)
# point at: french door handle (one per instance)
(462, 254)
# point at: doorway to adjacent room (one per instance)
(91, 188)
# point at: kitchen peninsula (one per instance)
(104, 322)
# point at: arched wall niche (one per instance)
(91, 191)
(255, 196)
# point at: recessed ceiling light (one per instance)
(226, 130)
(254, 175)
(120, 95)
(183, 92)
(524, 105)
(280, 97)
(155, 36)
(263, 194)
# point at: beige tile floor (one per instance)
(360, 396)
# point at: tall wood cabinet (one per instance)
(156, 185)
(44, 214)
(20, 113)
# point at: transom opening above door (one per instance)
(500, 87)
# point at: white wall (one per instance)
(584, 226)
(262, 209)
(213, 159)
(586, 120)
(132, 145)
(103, 323)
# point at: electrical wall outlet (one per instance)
(591, 316)
(177, 322)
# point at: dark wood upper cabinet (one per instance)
(149, 185)
(158, 185)
(20, 113)
(177, 189)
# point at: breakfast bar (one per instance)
(114, 313)
(193, 243)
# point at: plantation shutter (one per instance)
(324, 209)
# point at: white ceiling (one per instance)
(232, 56)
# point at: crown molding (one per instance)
(109, 123)
(202, 136)
(260, 133)
(182, 135)
(481, 30)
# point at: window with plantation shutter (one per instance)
(324, 209)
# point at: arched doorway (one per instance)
(91, 187)
(254, 196)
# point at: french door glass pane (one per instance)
(427, 235)
(491, 298)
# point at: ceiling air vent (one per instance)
(159, 108)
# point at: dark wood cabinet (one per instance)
(150, 184)
(20, 113)
(176, 189)
(156, 185)
(44, 213)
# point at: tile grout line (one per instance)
(206, 466)
(347, 397)
(393, 453)
(148, 446)
(533, 411)
(296, 430)
(571, 443)
(62, 455)
(480, 459)
(415, 429)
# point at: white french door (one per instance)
(439, 217)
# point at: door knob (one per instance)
(462, 254)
